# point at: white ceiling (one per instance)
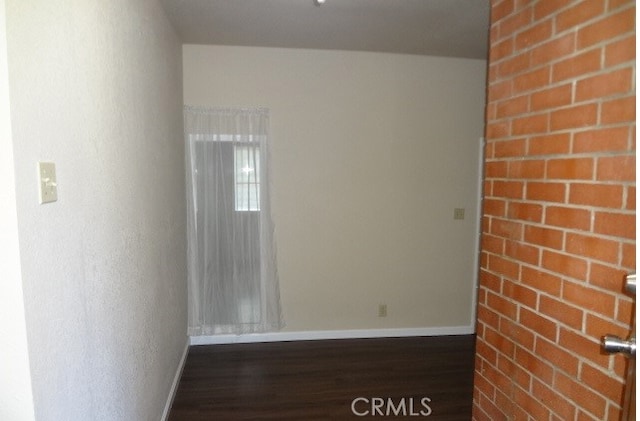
(454, 28)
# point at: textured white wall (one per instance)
(96, 87)
(16, 400)
(371, 154)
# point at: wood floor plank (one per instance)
(319, 380)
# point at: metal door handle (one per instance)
(612, 344)
(630, 283)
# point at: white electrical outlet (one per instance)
(382, 310)
(458, 213)
(47, 182)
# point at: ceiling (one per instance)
(453, 28)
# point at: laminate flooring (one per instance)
(396, 378)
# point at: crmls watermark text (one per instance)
(385, 407)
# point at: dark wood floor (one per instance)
(319, 380)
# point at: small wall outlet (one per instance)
(47, 184)
(382, 310)
(458, 213)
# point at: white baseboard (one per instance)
(176, 380)
(330, 334)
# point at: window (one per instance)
(247, 178)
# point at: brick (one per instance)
(615, 224)
(490, 281)
(510, 189)
(514, 65)
(522, 252)
(497, 130)
(564, 264)
(532, 80)
(616, 168)
(501, 306)
(595, 379)
(626, 311)
(614, 4)
(601, 140)
(606, 277)
(586, 398)
(593, 247)
(486, 224)
(574, 117)
(523, 337)
(603, 85)
(588, 298)
(573, 67)
(536, 366)
(529, 169)
(516, 375)
(562, 312)
(621, 51)
(506, 229)
(542, 326)
(494, 36)
(551, 98)
(551, 144)
(494, 207)
(558, 357)
(543, 9)
(596, 325)
(504, 346)
(631, 198)
(538, 123)
(506, 268)
(490, 111)
(525, 211)
(496, 169)
(568, 217)
(488, 150)
(501, 50)
(579, 14)
(512, 106)
(622, 110)
(601, 195)
(541, 281)
(492, 244)
(534, 35)
(515, 22)
(530, 405)
(583, 346)
(500, 10)
(509, 148)
(499, 90)
(559, 404)
(553, 50)
(547, 192)
(620, 367)
(488, 317)
(486, 352)
(501, 379)
(570, 169)
(544, 236)
(608, 27)
(492, 74)
(629, 256)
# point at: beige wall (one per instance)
(16, 399)
(371, 153)
(95, 87)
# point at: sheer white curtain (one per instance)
(233, 280)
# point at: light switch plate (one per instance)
(47, 182)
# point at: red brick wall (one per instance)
(559, 211)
